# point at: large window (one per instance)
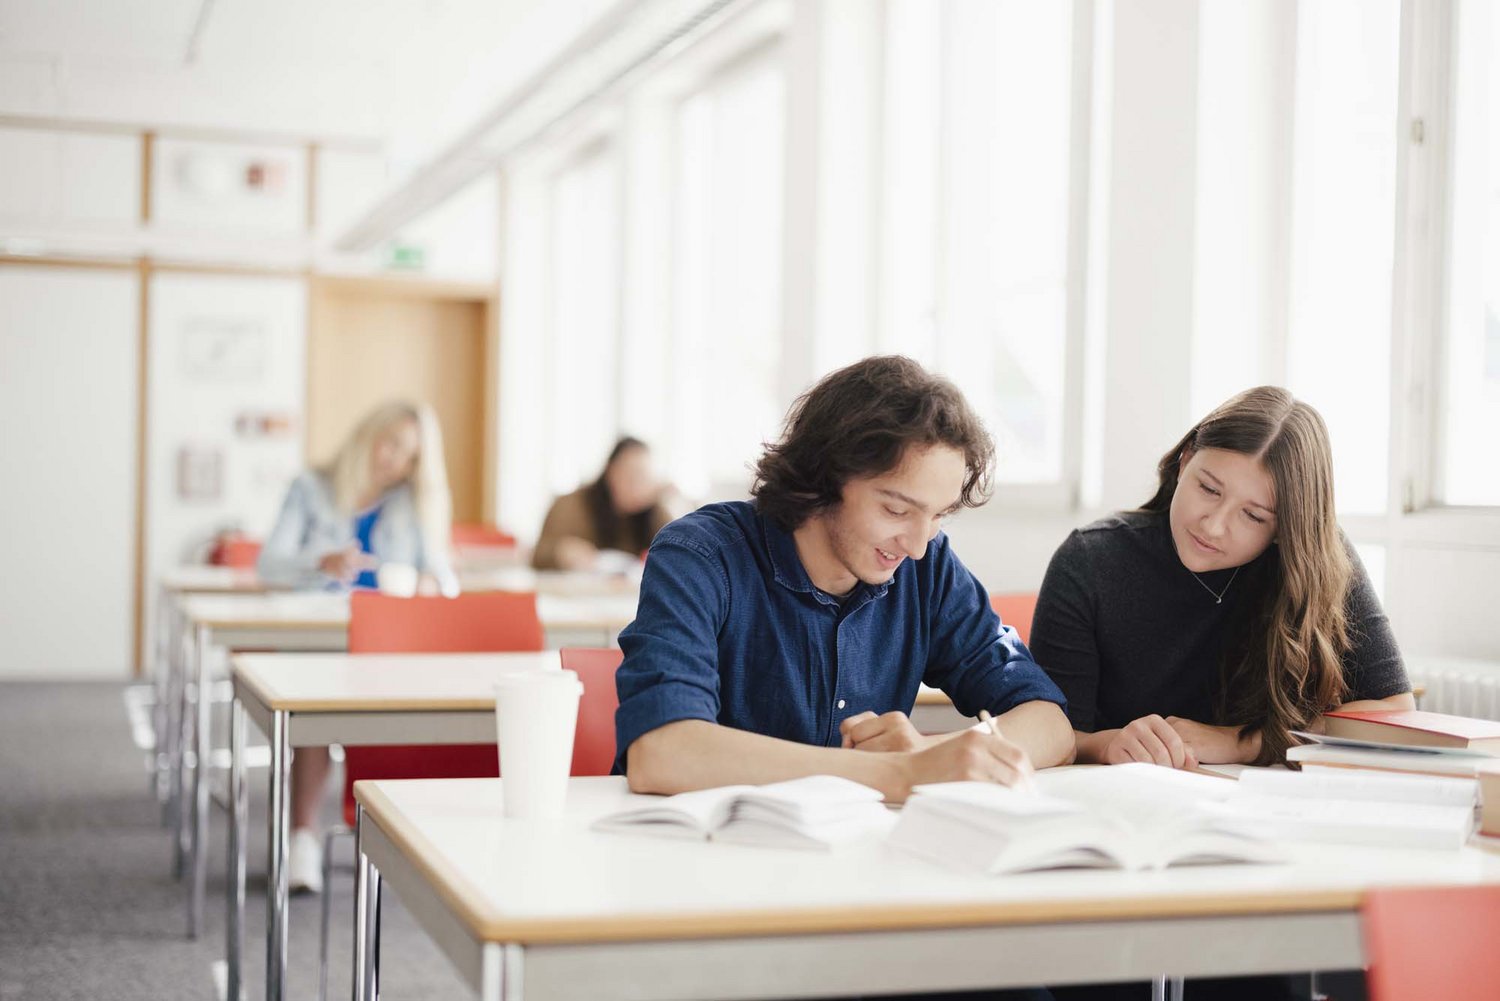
(980, 165)
(726, 275)
(1469, 380)
(584, 307)
(1343, 221)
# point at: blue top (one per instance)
(730, 629)
(364, 527)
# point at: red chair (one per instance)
(1016, 611)
(594, 740)
(485, 622)
(234, 550)
(1427, 942)
(475, 534)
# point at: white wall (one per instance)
(227, 389)
(68, 375)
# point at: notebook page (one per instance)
(1423, 789)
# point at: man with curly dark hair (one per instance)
(787, 636)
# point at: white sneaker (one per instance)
(305, 866)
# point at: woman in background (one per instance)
(1227, 612)
(620, 511)
(382, 500)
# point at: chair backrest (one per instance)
(1016, 611)
(1425, 942)
(480, 622)
(488, 622)
(476, 534)
(235, 551)
(594, 739)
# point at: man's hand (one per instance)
(974, 755)
(890, 731)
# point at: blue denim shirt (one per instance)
(730, 629)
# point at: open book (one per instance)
(1126, 816)
(820, 812)
(1355, 808)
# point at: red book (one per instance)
(1414, 728)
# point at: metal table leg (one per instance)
(276, 862)
(238, 805)
(202, 745)
(366, 918)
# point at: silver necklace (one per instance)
(1218, 595)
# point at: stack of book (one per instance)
(1401, 741)
(1414, 743)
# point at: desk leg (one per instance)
(177, 734)
(276, 874)
(160, 780)
(366, 918)
(235, 946)
(501, 976)
(198, 846)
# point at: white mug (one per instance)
(397, 579)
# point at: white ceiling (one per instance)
(397, 71)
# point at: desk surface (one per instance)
(203, 579)
(330, 611)
(549, 883)
(336, 682)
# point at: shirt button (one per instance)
(841, 703)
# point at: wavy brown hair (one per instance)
(1283, 659)
(856, 423)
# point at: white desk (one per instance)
(167, 672)
(314, 622)
(313, 700)
(549, 911)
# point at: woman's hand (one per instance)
(347, 564)
(890, 731)
(1215, 745)
(573, 553)
(1153, 740)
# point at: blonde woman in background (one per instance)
(382, 500)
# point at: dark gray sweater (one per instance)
(1126, 631)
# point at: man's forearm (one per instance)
(1041, 730)
(696, 754)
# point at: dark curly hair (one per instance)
(857, 422)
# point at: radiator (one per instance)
(1460, 688)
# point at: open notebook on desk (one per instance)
(1125, 816)
(819, 812)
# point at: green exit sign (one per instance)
(405, 257)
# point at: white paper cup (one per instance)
(536, 713)
(399, 580)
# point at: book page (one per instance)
(691, 814)
(1362, 786)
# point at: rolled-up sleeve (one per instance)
(671, 667)
(979, 663)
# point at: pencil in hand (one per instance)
(1024, 783)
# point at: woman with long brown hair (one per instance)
(1227, 611)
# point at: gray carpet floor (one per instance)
(88, 905)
